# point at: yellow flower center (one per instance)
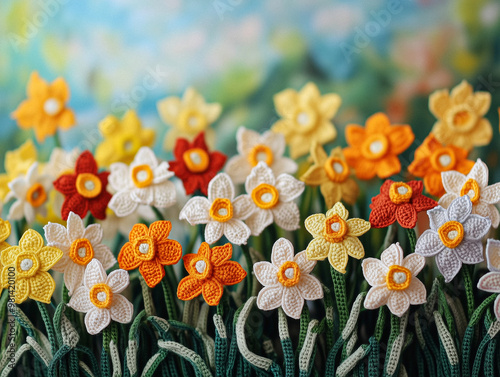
(221, 210)
(101, 296)
(400, 192)
(27, 264)
(306, 119)
(128, 145)
(144, 248)
(375, 147)
(192, 121)
(336, 169)
(52, 106)
(289, 274)
(265, 196)
(142, 176)
(81, 251)
(88, 185)
(203, 268)
(398, 278)
(196, 160)
(36, 195)
(443, 159)
(471, 189)
(335, 229)
(451, 234)
(260, 153)
(461, 117)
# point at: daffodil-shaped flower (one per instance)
(4, 234)
(475, 185)
(252, 148)
(100, 298)
(188, 116)
(17, 162)
(490, 282)
(31, 193)
(306, 117)
(30, 262)
(335, 237)
(145, 182)
(222, 212)
(394, 280)
(272, 199)
(122, 139)
(454, 237)
(79, 246)
(287, 281)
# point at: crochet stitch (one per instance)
(17, 162)
(492, 254)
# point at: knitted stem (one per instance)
(106, 338)
(169, 300)
(339, 289)
(158, 214)
(469, 289)
(146, 295)
(379, 327)
(65, 294)
(412, 237)
(248, 260)
(48, 325)
(57, 140)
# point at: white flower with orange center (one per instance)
(100, 298)
(79, 246)
(287, 281)
(394, 280)
(252, 148)
(221, 212)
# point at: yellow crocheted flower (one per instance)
(17, 162)
(26, 267)
(332, 175)
(305, 117)
(4, 234)
(335, 237)
(122, 139)
(460, 115)
(188, 116)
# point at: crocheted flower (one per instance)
(4, 234)
(287, 281)
(394, 280)
(374, 149)
(145, 181)
(209, 271)
(475, 185)
(401, 202)
(194, 164)
(30, 262)
(490, 282)
(61, 162)
(493, 255)
(99, 297)
(17, 162)
(188, 117)
(460, 116)
(45, 109)
(85, 189)
(454, 237)
(253, 147)
(332, 175)
(221, 211)
(79, 246)
(150, 250)
(335, 237)
(122, 139)
(31, 193)
(305, 117)
(272, 199)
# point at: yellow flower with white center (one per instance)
(17, 162)
(188, 116)
(335, 237)
(305, 117)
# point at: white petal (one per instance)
(121, 309)
(415, 263)
(310, 288)
(104, 255)
(459, 209)
(289, 187)
(93, 233)
(259, 220)
(453, 181)
(398, 303)
(292, 302)
(275, 141)
(282, 252)
(32, 174)
(161, 173)
(284, 165)
(80, 300)
(16, 211)
(246, 139)
(236, 232)
(491, 194)
(446, 199)
(94, 274)
(490, 282)
(29, 212)
(220, 186)
(143, 195)
(196, 211)
(496, 308)
(374, 271)
(479, 172)
(448, 264)
(470, 252)
(97, 320)
(392, 255)
(437, 217)
(429, 244)
(145, 156)
(122, 203)
(19, 187)
(238, 168)
(243, 206)
(476, 227)
(119, 177)
(73, 276)
(56, 235)
(164, 195)
(266, 273)
(494, 216)
(270, 298)
(305, 265)
(493, 254)
(118, 280)
(287, 215)
(75, 227)
(213, 231)
(416, 292)
(376, 297)
(260, 174)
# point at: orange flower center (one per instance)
(398, 278)
(196, 160)
(400, 192)
(88, 185)
(260, 153)
(101, 296)
(336, 169)
(375, 147)
(289, 274)
(202, 267)
(27, 265)
(461, 117)
(221, 210)
(142, 176)
(81, 251)
(443, 159)
(192, 121)
(451, 234)
(306, 119)
(52, 106)
(471, 188)
(335, 229)
(144, 248)
(36, 195)
(265, 196)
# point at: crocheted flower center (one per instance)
(128, 145)
(265, 196)
(192, 121)
(203, 268)
(101, 296)
(221, 210)
(471, 188)
(52, 106)
(461, 118)
(196, 160)
(27, 264)
(81, 251)
(306, 119)
(451, 234)
(375, 146)
(260, 153)
(289, 274)
(144, 248)
(335, 228)
(36, 195)
(88, 185)
(443, 159)
(398, 278)
(400, 192)
(142, 176)
(336, 169)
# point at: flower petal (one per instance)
(415, 263)
(491, 194)
(56, 235)
(479, 173)
(260, 174)
(493, 254)
(310, 288)
(393, 255)
(119, 177)
(357, 227)
(97, 320)
(80, 300)
(398, 303)
(160, 230)
(429, 244)
(118, 280)
(305, 265)
(213, 231)
(376, 297)
(337, 257)
(354, 247)
(168, 252)
(76, 229)
(243, 206)
(318, 249)
(259, 220)
(496, 308)
(196, 211)
(448, 264)
(446, 199)
(122, 204)
(292, 302)
(439, 102)
(287, 216)
(121, 309)
(42, 287)
(189, 288)
(315, 224)
(93, 233)
(270, 298)
(437, 217)
(220, 254)
(289, 188)
(236, 232)
(282, 252)
(220, 186)
(212, 292)
(31, 241)
(400, 137)
(238, 168)
(48, 256)
(490, 282)
(86, 163)
(374, 271)
(338, 209)
(152, 271)
(266, 273)
(453, 181)
(406, 214)
(94, 274)
(460, 209)
(127, 258)
(73, 276)
(229, 273)
(470, 252)
(164, 194)
(416, 292)
(382, 216)
(476, 227)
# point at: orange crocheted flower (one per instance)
(374, 149)
(150, 249)
(432, 158)
(209, 271)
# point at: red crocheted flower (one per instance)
(84, 189)
(194, 164)
(399, 201)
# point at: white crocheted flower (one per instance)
(272, 199)
(394, 280)
(100, 298)
(61, 162)
(287, 281)
(490, 282)
(31, 193)
(79, 246)
(253, 147)
(475, 185)
(222, 212)
(455, 237)
(145, 181)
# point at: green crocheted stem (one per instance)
(339, 289)
(413, 238)
(48, 326)
(169, 299)
(146, 295)
(159, 215)
(248, 259)
(469, 289)
(379, 327)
